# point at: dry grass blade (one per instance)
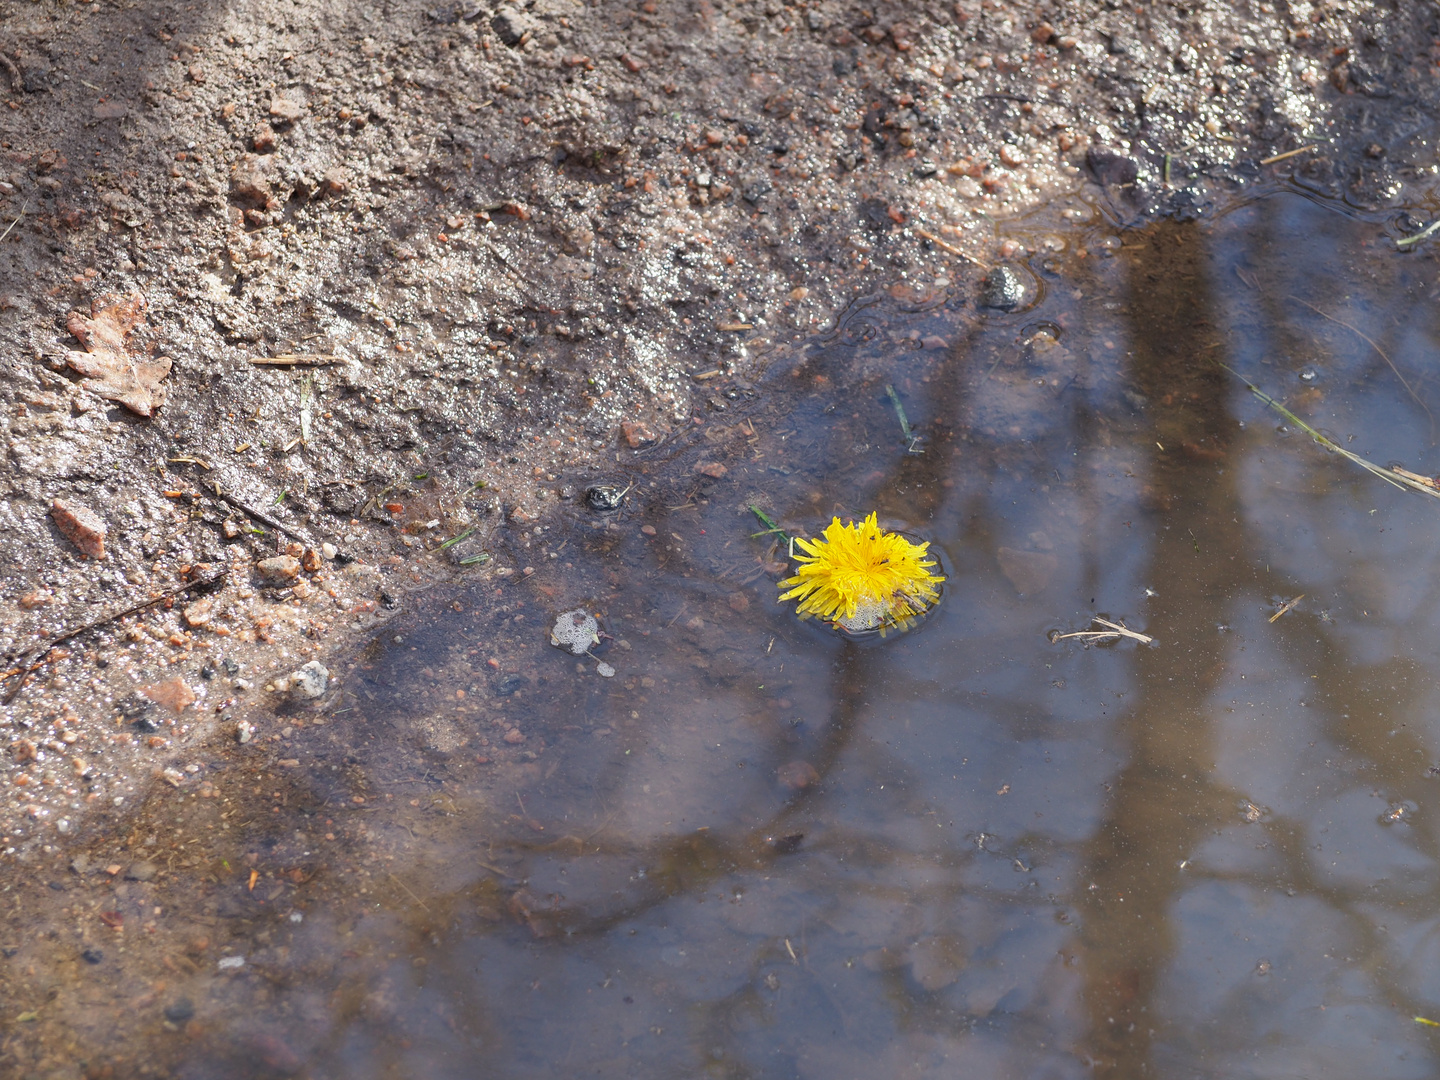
(23, 207)
(1426, 482)
(1113, 630)
(942, 244)
(1396, 477)
(1289, 605)
(1423, 234)
(1273, 158)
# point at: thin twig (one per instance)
(259, 515)
(503, 261)
(298, 360)
(1383, 355)
(34, 659)
(1112, 630)
(23, 207)
(943, 245)
(407, 889)
(1287, 606)
(1287, 154)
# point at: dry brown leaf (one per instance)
(112, 369)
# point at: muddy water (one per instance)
(975, 849)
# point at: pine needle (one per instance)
(1396, 478)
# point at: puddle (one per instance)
(974, 848)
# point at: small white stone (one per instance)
(229, 963)
(311, 681)
(605, 670)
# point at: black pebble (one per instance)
(1003, 289)
(177, 1012)
(92, 956)
(604, 497)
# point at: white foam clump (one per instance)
(577, 629)
(869, 615)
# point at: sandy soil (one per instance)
(507, 249)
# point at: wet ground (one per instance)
(494, 250)
(759, 849)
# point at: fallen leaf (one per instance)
(111, 368)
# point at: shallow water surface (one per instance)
(975, 849)
(971, 850)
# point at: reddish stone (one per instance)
(81, 526)
(172, 694)
(797, 774)
(635, 434)
(287, 112)
(712, 469)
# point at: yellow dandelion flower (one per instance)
(862, 577)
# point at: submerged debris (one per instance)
(1111, 631)
(576, 629)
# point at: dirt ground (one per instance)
(498, 252)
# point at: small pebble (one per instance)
(281, 570)
(179, 1010)
(311, 681)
